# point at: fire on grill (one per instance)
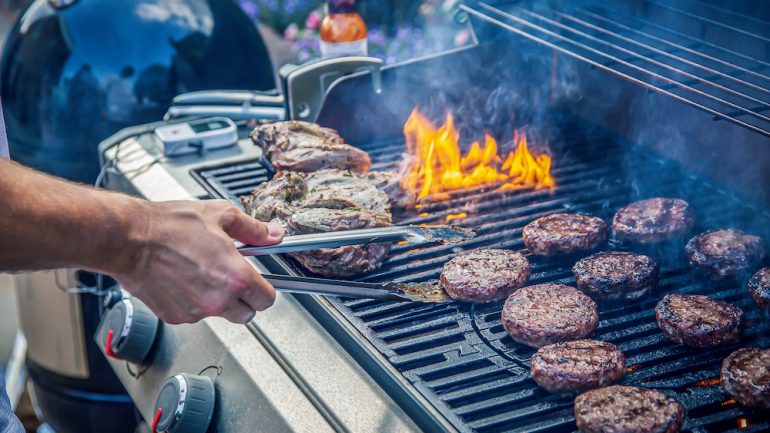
(435, 164)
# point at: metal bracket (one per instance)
(305, 85)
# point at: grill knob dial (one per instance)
(185, 404)
(127, 331)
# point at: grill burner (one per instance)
(460, 358)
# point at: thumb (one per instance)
(253, 232)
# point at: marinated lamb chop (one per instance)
(627, 409)
(653, 220)
(484, 275)
(746, 377)
(274, 199)
(614, 275)
(302, 146)
(577, 366)
(564, 234)
(725, 253)
(759, 287)
(548, 313)
(699, 321)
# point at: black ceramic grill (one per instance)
(461, 359)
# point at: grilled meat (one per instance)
(302, 146)
(484, 275)
(321, 220)
(699, 321)
(746, 377)
(327, 200)
(390, 183)
(274, 199)
(653, 220)
(616, 275)
(725, 253)
(548, 313)
(338, 189)
(564, 234)
(577, 366)
(341, 261)
(759, 287)
(627, 409)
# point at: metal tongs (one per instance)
(413, 292)
(420, 292)
(442, 234)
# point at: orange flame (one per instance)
(437, 166)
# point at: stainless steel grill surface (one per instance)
(701, 54)
(459, 356)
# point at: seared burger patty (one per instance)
(653, 220)
(576, 366)
(627, 409)
(615, 275)
(564, 233)
(723, 253)
(759, 287)
(484, 275)
(699, 321)
(746, 377)
(548, 313)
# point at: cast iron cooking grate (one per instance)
(461, 359)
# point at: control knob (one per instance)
(127, 331)
(185, 404)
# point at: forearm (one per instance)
(47, 223)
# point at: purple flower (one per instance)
(313, 20)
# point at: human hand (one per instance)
(184, 264)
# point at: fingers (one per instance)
(260, 296)
(248, 230)
(239, 312)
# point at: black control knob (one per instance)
(185, 404)
(127, 331)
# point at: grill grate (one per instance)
(462, 360)
(706, 57)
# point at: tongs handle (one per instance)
(330, 240)
(319, 286)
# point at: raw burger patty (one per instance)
(759, 287)
(616, 275)
(627, 409)
(723, 253)
(576, 366)
(564, 233)
(746, 377)
(653, 220)
(548, 313)
(699, 321)
(484, 275)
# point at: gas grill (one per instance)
(635, 100)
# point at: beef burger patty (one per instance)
(726, 252)
(548, 313)
(746, 377)
(627, 409)
(699, 321)
(484, 275)
(564, 233)
(576, 366)
(759, 287)
(653, 220)
(616, 275)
